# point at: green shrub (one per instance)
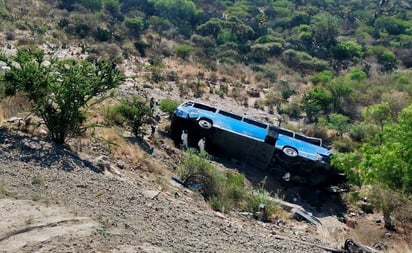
(93, 5)
(195, 169)
(303, 60)
(135, 25)
(183, 50)
(357, 74)
(359, 131)
(136, 113)
(113, 116)
(224, 191)
(322, 77)
(261, 196)
(168, 105)
(344, 145)
(347, 50)
(101, 34)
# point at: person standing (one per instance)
(153, 130)
(152, 103)
(184, 137)
(201, 144)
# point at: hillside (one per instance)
(335, 70)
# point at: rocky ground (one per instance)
(54, 201)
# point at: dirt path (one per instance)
(26, 222)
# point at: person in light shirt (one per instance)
(201, 144)
(184, 139)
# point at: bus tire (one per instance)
(289, 151)
(205, 123)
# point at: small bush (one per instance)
(224, 191)
(303, 60)
(136, 113)
(168, 105)
(112, 115)
(344, 145)
(396, 207)
(195, 169)
(183, 50)
(261, 196)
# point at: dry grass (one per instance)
(400, 247)
(118, 145)
(14, 106)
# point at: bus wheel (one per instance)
(205, 123)
(291, 152)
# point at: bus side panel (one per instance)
(242, 148)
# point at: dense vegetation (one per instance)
(340, 65)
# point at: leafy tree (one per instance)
(183, 50)
(136, 113)
(390, 163)
(388, 60)
(112, 7)
(60, 90)
(268, 39)
(182, 13)
(357, 74)
(135, 25)
(93, 5)
(339, 122)
(141, 47)
(322, 77)
(212, 27)
(339, 89)
(159, 24)
(391, 25)
(241, 10)
(379, 114)
(385, 159)
(102, 34)
(226, 36)
(347, 50)
(325, 29)
(316, 101)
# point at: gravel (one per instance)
(133, 213)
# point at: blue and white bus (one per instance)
(254, 142)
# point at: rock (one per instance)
(102, 162)
(219, 215)
(121, 164)
(14, 120)
(150, 194)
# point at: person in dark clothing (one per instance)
(153, 130)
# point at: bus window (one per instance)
(314, 141)
(255, 123)
(204, 107)
(231, 115)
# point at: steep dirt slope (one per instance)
(54, 201)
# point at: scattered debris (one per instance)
(355, 247)
(300, 213)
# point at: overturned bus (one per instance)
(253, 142)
